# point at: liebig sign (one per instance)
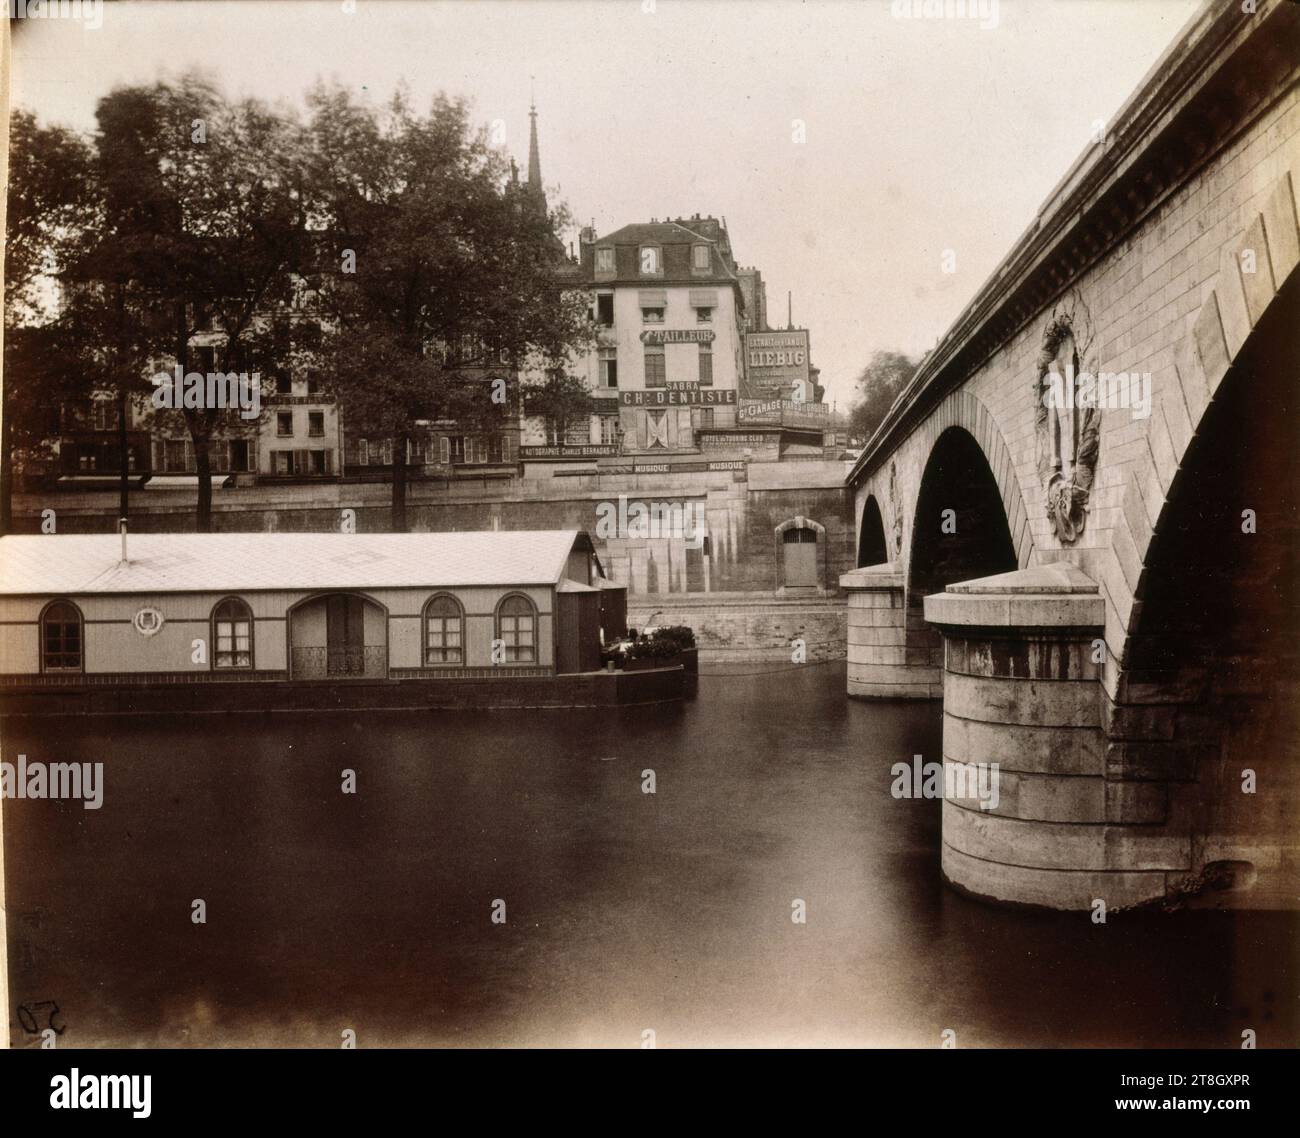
(775, 360)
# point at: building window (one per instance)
(656, 429)
(283, 383)
(313, 383)
(206, 358)
(608, 429)
(363, 452)
(444, 631)
(608, 367)
(604, 260)
(605, 308)
(652, 316)
(174, 455)
(650, 261)
(282, 461)
(104, 414)
(284, 424)
(316, 423)
(704, 416)
(455, 450)
(517, 629)
(703, 315)
(701, 261)
(239, 455)
(706, 365)
(655, 375)
(61, 637)
(232, 634)
(319, 461)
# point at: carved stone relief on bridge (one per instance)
(895, 510)
(1068, 431)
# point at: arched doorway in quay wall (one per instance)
(800, 556)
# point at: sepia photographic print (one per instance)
(650, 524)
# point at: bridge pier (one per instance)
(881, 665)
(1022, 689)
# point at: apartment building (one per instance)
(667, 306)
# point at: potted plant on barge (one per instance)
(662, 649)
(684, 638)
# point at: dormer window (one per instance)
(701, 260)
(605, 261)
(651, 261)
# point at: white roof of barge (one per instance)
(72, 564)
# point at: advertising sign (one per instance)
(665, 397)
(776, 362)
(593, 450)
(677, 336)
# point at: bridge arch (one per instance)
(964, 410)
(872, 549)
(1208, 657)
(893, 652)
(1239, 347)
(960, 531)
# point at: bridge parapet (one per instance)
(1023, 706)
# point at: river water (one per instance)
(624, 912)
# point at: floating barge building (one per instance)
(233, 622)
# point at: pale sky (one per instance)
(920, 135)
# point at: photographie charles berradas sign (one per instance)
(475, 576)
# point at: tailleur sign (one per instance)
(677, 336)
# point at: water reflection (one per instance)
(626, 911)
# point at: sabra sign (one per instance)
(677, 336)
(663, 397)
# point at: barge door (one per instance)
(345, 635)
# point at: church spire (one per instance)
(534, 160)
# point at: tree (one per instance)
(213, 233)
(559, 400)
(48, 207)
(440, 266)
(878, 386)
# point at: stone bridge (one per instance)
(1103, 590)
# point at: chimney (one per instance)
(121, 528)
